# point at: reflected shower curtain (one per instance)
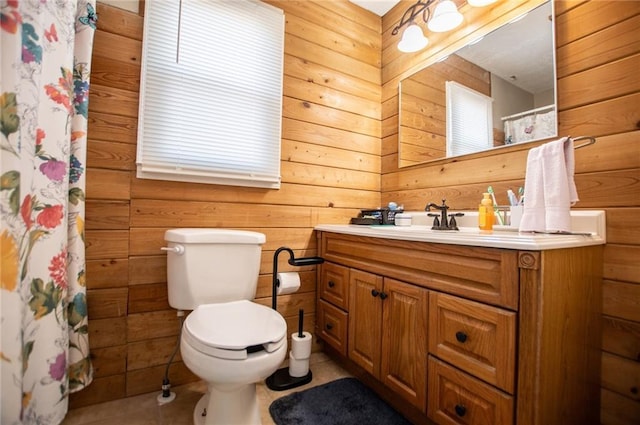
(46, 55)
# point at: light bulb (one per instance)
(412, 39)
(480, 3)
(445, 17)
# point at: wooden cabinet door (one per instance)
(365, 320)
(404, 341)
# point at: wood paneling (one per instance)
(111, 127)
(618, 410)
(621, 375)
(103, 244)
(621, 337)
(108, 332)
(107, 273)
(104, 303)
(108, 184)
(103, 215)
(151, 352)
(109, 361)
(340, 124)
(330, 161)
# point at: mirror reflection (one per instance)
(495, 92)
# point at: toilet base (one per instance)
(228, 407)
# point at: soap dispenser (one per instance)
(486, 213)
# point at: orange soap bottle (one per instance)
(486, 213)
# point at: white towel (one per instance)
(549, 188)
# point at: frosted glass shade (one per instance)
(412, 39)
(480, 3)
(445, 17)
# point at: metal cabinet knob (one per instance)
(461, 336)
(460, 410)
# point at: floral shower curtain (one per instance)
(44, 88)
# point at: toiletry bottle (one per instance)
(486, 213)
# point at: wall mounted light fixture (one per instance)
(445, 17)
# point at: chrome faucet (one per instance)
(440, 221)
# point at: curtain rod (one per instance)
(532, 111)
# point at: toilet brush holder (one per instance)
(298, 372)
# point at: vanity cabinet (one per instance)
(468, 335)
(387, 333)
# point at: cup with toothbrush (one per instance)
(516, 208)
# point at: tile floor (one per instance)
(144, 409)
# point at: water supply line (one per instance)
(167, 396)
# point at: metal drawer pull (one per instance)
(328, 326)
(375, 293)
(331, 284)
(461, 336)
(460, 410)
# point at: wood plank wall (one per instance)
(332, 165)
(598, 57)
(330, 169)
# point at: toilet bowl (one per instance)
(231, 346)
(227, 340)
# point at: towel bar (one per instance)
(591, 141)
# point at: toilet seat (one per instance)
(232, 330)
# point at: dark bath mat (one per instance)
(342, 402)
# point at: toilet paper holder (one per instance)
(298, 262)
(281, 379)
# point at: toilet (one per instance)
(228, 341)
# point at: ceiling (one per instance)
(379, 7)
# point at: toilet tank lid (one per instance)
(202, 235)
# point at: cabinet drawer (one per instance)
(456, 398)
(332, 326)
(477, 338)
(334, 285)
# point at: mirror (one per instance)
(513, 67)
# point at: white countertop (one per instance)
(583, 221)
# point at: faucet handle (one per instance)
(436, 220)
(453, 224)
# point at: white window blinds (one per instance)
(469, 122)
(211, 92)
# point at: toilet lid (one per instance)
(226, 330)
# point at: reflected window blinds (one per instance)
(469, 122)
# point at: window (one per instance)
(211, 92)
(469, 122)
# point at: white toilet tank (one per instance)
(206, 266)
